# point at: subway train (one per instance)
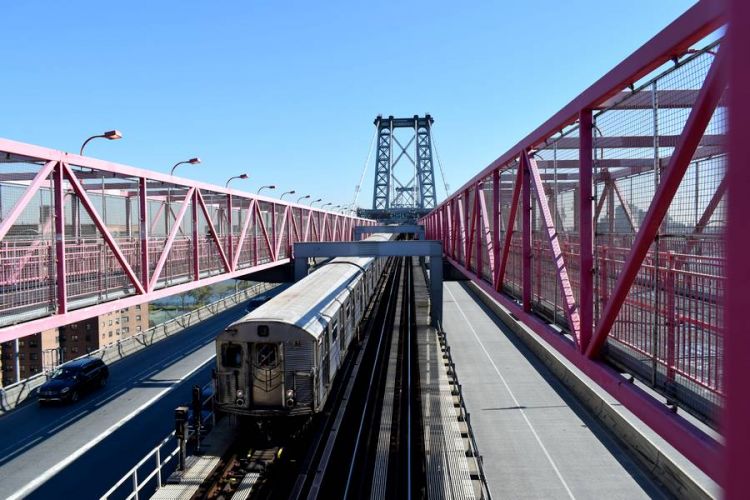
(282, 358)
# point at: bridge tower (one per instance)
(405, 181)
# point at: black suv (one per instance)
(72, 379)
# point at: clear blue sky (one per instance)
(287, 91)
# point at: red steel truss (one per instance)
(618, 252)
(80, 237)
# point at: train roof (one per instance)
(304, 303)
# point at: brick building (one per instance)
(47, 349)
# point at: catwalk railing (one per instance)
(77, 233)
(604, 229)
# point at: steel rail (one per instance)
(390, 305)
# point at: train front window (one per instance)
(265, 355)
(231, 355)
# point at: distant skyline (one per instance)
(288, 93)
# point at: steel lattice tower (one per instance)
(390, 193)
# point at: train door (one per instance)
(267, 374)
(346, 328)
(325, 360)
(335, 350)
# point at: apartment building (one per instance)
(49, 348)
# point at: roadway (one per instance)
(80, 450)
(536, 439)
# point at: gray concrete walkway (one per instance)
(537, 441)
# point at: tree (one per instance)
(201, 295)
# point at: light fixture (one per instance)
(110, 135)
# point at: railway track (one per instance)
(377, 451)
(295, 462)
(369, 442)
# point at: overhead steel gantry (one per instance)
(615, 231)
(80, 237)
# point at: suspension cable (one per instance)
(358, 188)
(440, 164)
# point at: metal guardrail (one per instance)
(14, 394)
(155, 454)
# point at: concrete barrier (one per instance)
(677, 474)
(25, 390)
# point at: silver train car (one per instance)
(282, 358)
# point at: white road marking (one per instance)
(120, 389)
(513, 396)
(66, 422)
(22, 448)
(49, 473)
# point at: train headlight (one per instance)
(290, 397)
(240, 393)
(240, 401)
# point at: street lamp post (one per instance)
(270, 186)
(241, 176)
(303, 198)
(192, 161)
(287, 192)
(315, 201)
(111, 135)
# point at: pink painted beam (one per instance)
(106, 235)
(691, 27)
(510, 230)
(170, 239)
(40, 178)
(325, 231)
(569, 301)
(667, 99)
(156, 217)
(463, 223)
(488, 241)
(694, 238)
(283, 229)
(698, 447)
(637, 141)
(602, 199)
(21, 330)
(472, 213)
(586, 230)
(212, 230)
(230, 233)
(313, 227)
(453, 226)
(60, 264)
(171, 211)
(18, 271)
(249, 216)
(479, 223)
(625, 207)
(736, 415)
(194, 242)
(264, 231)
(466, 219)
(295, 225)
(496, 218)
(274, 232)
(700, 115)
(143, 226)
(525, 233)
(306, 236)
